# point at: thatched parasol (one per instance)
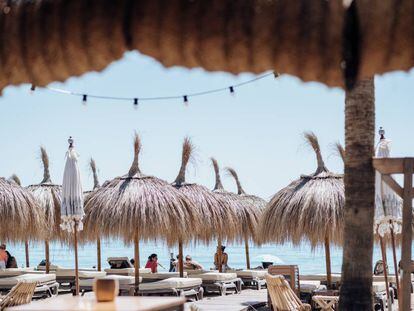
(48, 197)
(230, 199)
(250, 213)
(137, 206)
(310, 208)
(96, 185)
(219, 218)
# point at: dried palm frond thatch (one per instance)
(138, 207)
(21, 217)
(48, 197)
(340, 150)
(310, 208)
(219, 218)
(249, 214)
(138, 203)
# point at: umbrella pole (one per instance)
(394, 255)
(384, 263)
(246, 245)
(98, 253)
(136, 261)
(219, 255)
(328, 262)
(180, 259)
(26, 249)
(76, 260)
(47, 267)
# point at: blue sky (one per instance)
(258, 131)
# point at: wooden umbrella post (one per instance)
(26, 250)
(136, 261)
(180, 259)
(246, 246)
(76, 260)
(47, 267)
(384, 263)
(98, 253)
(328, 262)
(394, 255)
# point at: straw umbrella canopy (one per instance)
(232, 200)
(219, 218)
(20, 215)
(48, 197)
(137, 206)
(249, 214)
(96, 185)
(310, 208)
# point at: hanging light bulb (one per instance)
(135, 103)
(276, 74)
(32, 88)
(231, 89)
(84, 99)
(185, 98)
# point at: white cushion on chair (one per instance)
(161, 275)
(40, 278)
(215, 276)
(171, 283)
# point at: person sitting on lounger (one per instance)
(191, 264)
(152, 263)
(224, 259)
(3, 256)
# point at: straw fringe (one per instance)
(134, 170)
(218, 185)
(312, 140)
(187, 154)
(94, 172)
(45, 161)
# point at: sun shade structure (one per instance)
(138, 206)
(20, 215)
(72, 202)
(96, 185)
(249, 213)
(217, 216)
(301, 38)
(48, 196)
(310, 208)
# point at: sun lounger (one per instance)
(9, 272)
(254, 278)
(66, 276)
(309, 286)
(221, 282)
(152, 277)
(46, 284)
(126, 284)
(336, 278)
(126, 271)
(188, 287)
(20, 294)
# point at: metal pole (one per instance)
(76, 260)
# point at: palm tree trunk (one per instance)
(356, 289)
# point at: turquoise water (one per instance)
(309, 261)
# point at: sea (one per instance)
(310, 261)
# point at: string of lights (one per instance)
(135, 100)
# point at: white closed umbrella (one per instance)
(72, 202)
(388, 211)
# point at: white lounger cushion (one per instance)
(336, 277)
(171, 283)
(216, 276)
(162, 275)
(122, 279)
(18, 271)
(260, 274)
(308, 286)
(41, 278)
(127, 271)
(82, 273)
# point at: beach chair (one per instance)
(186, 287)
(46, 284)
(252, 278)
(126, 271)
(10, 272)
(158, 276)
(224, 283)
(126, 284)
(290, 273)
(283, 298)
(66, 276)
(20, 294)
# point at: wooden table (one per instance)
(88, 302)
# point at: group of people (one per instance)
(189, 263)
(6, 259)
